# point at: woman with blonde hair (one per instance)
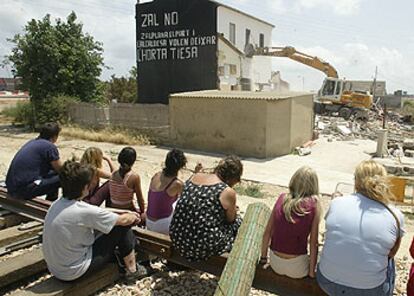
(363, 233)
(294, 220)
(94, 157)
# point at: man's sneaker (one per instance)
(147, 265)
(132, 277)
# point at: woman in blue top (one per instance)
(362, 235)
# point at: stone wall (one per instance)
(150, 119)
(89, 115)
(138, 115)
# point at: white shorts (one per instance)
(160, 226)
(296, 268)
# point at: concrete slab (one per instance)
(333, 161)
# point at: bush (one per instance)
(46, 110)
(21, 113)
(53, 109)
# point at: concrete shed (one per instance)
(252, 124)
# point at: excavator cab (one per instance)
(331, 90)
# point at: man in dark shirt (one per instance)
(33, 170)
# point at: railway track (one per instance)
(18, 268)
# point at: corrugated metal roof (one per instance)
(247, 95)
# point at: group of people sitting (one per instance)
(363, 231)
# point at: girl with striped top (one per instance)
(124, 183)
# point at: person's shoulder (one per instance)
(394, 208)
(178, 182)
(397, 212)
(134, 177)
(156, 176)
(348, 200)
(85, 207)
(229, 193)
(42, 142)
(311, 202)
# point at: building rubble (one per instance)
(399, 158)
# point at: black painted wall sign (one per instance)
(176, 48)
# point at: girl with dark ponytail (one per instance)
(124, 183)
(165, 187)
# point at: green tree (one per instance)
(123, 89)
(57, 59)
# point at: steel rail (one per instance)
(161, 246)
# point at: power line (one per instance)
(398, 83)
(345, 30)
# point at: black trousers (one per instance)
(104, 247)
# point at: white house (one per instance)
(239, 29)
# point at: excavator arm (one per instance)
(293, 54)
(344, 102)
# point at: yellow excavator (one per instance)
(335, 94)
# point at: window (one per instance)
(232, 34)
(221, 71)
(226, 70)
(233, 69)
(247, 36)
(261, 40)
(328, 88)
(338, 89)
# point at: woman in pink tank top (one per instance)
(163, 192)
(125, 183)
(293, 224)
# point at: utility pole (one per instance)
(303, 81)
(374, 85)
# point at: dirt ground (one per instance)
(150, 160)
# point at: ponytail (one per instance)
(126, 159)
(174, 161)
(124, 169)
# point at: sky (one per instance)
(355, 36)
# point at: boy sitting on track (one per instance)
(80, 238)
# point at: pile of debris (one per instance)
(339, 129)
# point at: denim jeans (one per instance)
(385, 289)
